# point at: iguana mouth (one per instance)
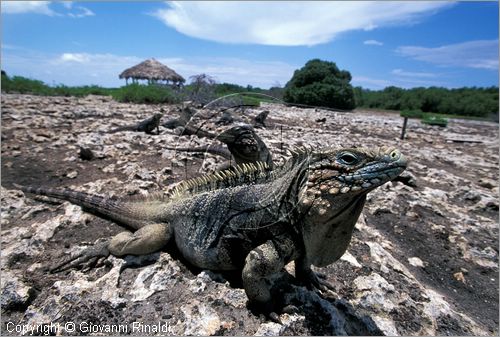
(381, 174)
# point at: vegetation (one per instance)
(201, 89)
(321, 83)
(333, 90)
(412, 113)
(426, 117)
(434, 120)
(476, 102)
(130, 93)
(146, 94)
(24, 85)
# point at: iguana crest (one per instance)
(243, 174)
(239, 175)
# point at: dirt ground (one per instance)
(449, 220)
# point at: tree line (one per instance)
(472, 101)
(322, 83)
(317, 83)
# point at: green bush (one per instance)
(136, 93)
(86, 90)
(431, 119)
(22, 85)
(412, 113)
(320, 83)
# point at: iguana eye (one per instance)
(348, 158)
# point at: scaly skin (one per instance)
(147, 125)
(252, 219)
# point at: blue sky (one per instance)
(406, 44)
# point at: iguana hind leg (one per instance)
(85, 260)
(146, 240)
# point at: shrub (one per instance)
(434, 120)
(23, 85)
(148, 94)
(320, 83)
(412, 113)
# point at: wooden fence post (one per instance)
(404, 127)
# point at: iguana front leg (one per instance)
(146, 240)
(261, 263)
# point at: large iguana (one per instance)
(147, 125)
(244, 146)
(250, 219)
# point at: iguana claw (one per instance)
(316, 281)
(86, 260)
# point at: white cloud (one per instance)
(368, 82)
(235, 70)
(403, 73)
(103, 69)
(20, 7)
(482, 54)
(373, 43)
(403, 79)
(42, 7)
(75, 57)
(412, 83)
(83, 12)
(287, 23)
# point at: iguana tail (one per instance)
(123, 128)
(129, 214)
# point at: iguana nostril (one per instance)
(395, 154)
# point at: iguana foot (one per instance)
(314, 281)
(267, 309)
(87, 259)
(290, 309)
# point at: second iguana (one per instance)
(244, 146)
(148, 125)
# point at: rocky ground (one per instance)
(423, 260)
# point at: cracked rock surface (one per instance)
(423, 259)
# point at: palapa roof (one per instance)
(151, 70)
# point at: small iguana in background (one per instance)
(182, 125)
(249, 219)
(225, 119)
(185, 114)
(260, 119)
(147, 125)
(190, 129)
(244, 146)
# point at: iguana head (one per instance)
(334, 194)
(241, 138)
(352, 171)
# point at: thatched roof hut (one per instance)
(152, 71)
